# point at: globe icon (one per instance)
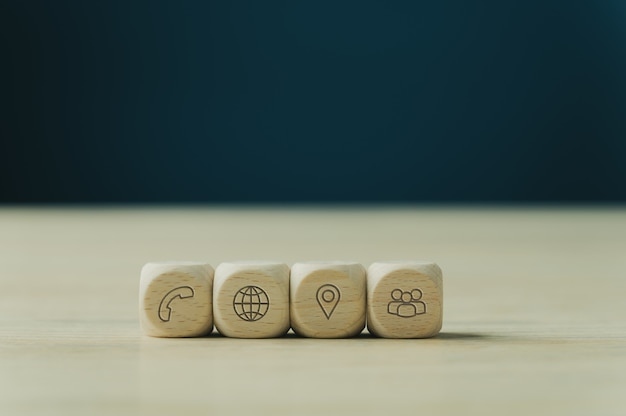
(251, 303)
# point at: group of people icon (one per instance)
(406, 304)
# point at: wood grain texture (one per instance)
(176, 299)
(327, 299)
(533, 322)
(251, 299)
(404, 299)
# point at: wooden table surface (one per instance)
(534, 314)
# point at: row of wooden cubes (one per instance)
(315, 299)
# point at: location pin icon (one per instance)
(328, 297)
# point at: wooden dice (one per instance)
(404, 299)
(315, 299)
(175, 299)
(251, 299)
(327, 299)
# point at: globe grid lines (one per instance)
(251, 303)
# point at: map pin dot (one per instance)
(328, 297)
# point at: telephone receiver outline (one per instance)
(183, 292)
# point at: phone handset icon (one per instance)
(165, 311)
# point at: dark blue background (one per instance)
(182, 101)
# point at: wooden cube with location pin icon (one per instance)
(175, 299)
(404, 299)
(328, 299)
(251, 299)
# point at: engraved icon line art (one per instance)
(251, 303)
(165, 310)
(328, 297)
(406, 304)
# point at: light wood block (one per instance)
(175, 299)
(327, 299)
(533, 325)
(251, 299)
(404, 299)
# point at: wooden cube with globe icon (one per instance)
(404, 299)
(251, 299)
(328, 299)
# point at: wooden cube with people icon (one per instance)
(175, 299)
(404, 299)
(251, 299)
(328, 299)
